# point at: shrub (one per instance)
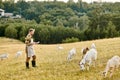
(2, 30)
(22, 33)
(11, 32)
(69, 40)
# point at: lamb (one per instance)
(112, 64)
(88, 58)
(4, 56)
(71, 53)
(19, 53)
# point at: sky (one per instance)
(88, 1)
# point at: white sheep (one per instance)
(19, 53)
(4, 56)
(88, 58)
(112, 64)
(93, 46)
(71, 53)
(60, 47)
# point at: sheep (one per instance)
(93, 46)
(71, 53)
(88, 58)
(19, 53)
(112, 64)
(4, 56)
(60, 47)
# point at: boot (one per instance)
(33, 63)
(27, 65)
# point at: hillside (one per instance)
(52, 64)
(59, 22)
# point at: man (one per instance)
(30, 49)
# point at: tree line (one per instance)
(57, 22)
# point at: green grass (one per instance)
(52, 64)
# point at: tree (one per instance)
(1, 4)
(11, 32)
(71, 1)
(84, 23)
(2, 30)
(73, 21)
(97, 32)
(42, 34)
(59, 23)
(23, 33)
(9, 6)
(111, 30)
(22, 5)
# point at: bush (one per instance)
(22, 33)
(2, 30)
(42, 34)
(69, 40)
(11, 32)
(22, 39)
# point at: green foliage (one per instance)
(23, 33)
(11, 32)
(57, 21)
(70, 40)
(2, 29)
(42, 34)
(111, 30)
(49, 34)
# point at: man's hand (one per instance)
(37, 42)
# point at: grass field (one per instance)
(52, 64)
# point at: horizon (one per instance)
(88, 1)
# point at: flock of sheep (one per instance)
(89, 57)
(5, 55)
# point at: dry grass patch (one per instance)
(52, 63)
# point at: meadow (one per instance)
(52, 63)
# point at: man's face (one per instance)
(32, 32)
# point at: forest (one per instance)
(60, 22)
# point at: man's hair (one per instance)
(31, 29)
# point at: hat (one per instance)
(31, 29)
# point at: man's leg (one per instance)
(34, 61)
(27, 62)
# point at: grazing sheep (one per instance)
(112, 64)
(4, 56)
(89, 57)
(71, 53)
(60, 47)
(19, 53)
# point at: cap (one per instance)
(31, 29)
